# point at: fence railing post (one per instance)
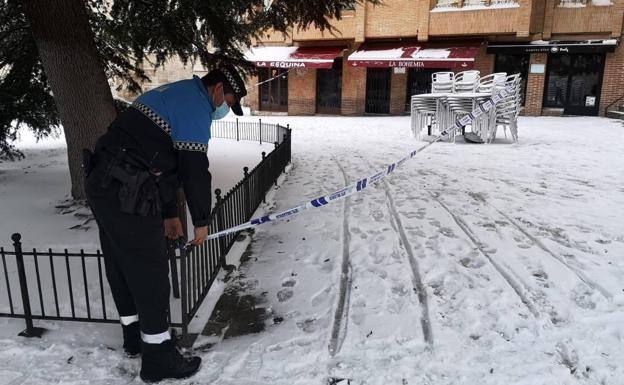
(247, 198)
(263, 178)
(237, 133)
(30, 331)
(220, 222)
(260, 125)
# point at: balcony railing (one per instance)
(446, 5)
(584, 3)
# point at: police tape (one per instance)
(364, 183)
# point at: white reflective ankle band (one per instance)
(129, 319)
(155, 338)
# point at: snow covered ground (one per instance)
(488, 264)
(31, 189)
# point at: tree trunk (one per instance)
(75, 74)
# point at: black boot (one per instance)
(161, 361)
(132, 339)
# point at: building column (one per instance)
(535, 86)
(549, 11)
(302, 91)
(613, 79)
(398, 89)
(484, 62)
(252, 100)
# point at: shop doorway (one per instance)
(329, 89)
(378, 90)
(273, 93)
(574, 83)
(419, 82)
(514, 64)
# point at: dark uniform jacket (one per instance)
(169, 127)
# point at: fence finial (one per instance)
(246, 171)
(17, 237)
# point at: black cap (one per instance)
(235, 83)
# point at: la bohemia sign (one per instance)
(412, 63)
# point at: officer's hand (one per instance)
(201, 233)
(173, 228)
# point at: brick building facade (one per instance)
(567, 50)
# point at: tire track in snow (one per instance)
(519, 288)
(339, 326)
(579, 274)
(421, 291)
(582, 276)
(417, 282)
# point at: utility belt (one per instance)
(138, 183)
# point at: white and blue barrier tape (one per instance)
(363, 183)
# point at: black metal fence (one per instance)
(248, 130)
(69, 285)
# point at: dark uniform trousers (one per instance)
(134, 254)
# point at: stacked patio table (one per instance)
(451, 106)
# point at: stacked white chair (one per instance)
(488, 82)
(508, 109)
(442, 82)
(466, 81)
(423, 114)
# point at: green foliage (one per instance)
(130, 32)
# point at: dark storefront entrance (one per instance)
(574, 70)
(419, 82)
(514, 64)
(573, 82)
(329, 89)
(273, 93)
(378, 90)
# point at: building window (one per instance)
(514, 64)
(573, 82)
(556, 92)
(274, 89)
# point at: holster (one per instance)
(138, 186)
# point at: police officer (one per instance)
(158, 144)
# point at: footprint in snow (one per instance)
(308, 325)
(582, 296)
(284, 295)
(289, 282)
(471, 263)
(447, 232)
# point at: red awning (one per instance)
(294, 57)
(401, 54)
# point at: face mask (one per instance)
(221, 111)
